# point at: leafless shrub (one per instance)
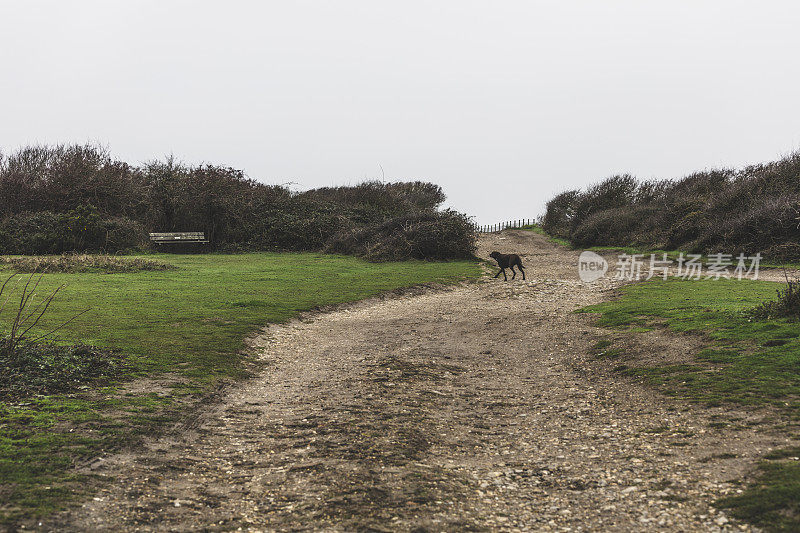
(26, 314)
(787, 304)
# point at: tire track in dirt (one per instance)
(468, 409)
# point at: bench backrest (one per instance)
(178, 236)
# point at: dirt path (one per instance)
(469, 409)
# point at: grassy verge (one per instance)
(538, 229)
(629, 250)
(186, 325)
(746, 362)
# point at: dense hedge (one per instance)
(78, 198)
(755, 209)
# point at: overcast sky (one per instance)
(502, 103)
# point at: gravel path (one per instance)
(475, 408)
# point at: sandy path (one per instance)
(471, 409)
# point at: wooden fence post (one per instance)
(506, 224)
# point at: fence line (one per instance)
(494, 228)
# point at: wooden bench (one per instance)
(179, 237)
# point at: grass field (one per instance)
(747, 362)
(191, 321)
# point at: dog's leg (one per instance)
(505, 278)
(514, 272)
(523, 272)
(498, 273)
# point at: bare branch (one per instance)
(61, 326)
(2, 288)
(48, 301)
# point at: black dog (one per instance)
(505, 261)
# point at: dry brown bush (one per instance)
(72, 263)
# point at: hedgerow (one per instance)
(57, 199)
(754, 209)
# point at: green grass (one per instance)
(199, 314)
(773, 500)
(538, 229)
(603, 350)
(191, 321)
(746, 362)
(629, 250)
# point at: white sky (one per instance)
(502, 103)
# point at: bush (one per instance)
(611, 193)
(120, 234)
(755, 209)
(620, 226)
(557, 219)
(63, 177)
(382, 197)
(79, 230)
(429, 236)
(34, 233)
(28, 364)
(786, 305)
(767, 223)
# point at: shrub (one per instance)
(294, 224)
(767, 223)
(28, 365)
(34, 233)
(557, 219)
(787, 303)
(618, 226)
(64, 177)
(120, 234)
(79, 230)
(72, 263)
(429, 236)
(754, 209)
(611, 193)
(382, 197)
